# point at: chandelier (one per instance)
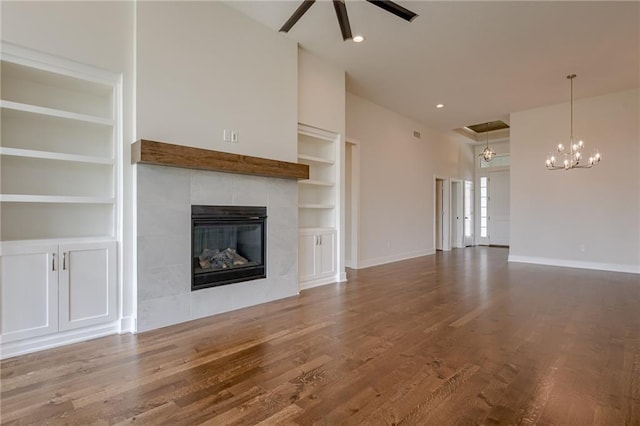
(573, 157)
(487, 154)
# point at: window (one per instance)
(500, 160)
(483, 207)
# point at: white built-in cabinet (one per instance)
(318, 206)
(50, 288)
(59, 180)
(317, 254)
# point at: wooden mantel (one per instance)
(166, 154)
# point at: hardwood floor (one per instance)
(455, 338)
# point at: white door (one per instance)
(438, 213)
(87, 284)
(457, 236)
(468, 213)
(307, 255)
(326, 253)
(29, 291)
(499, 196)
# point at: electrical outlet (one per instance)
(226, 135)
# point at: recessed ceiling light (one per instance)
(358, 38)
(440, 106)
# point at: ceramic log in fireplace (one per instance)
(227, 245)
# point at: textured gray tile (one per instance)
(163, 280)
(162, 185)
(164, 219)
(164, 242)
(163, 311)
(249, 191)
(211, 188)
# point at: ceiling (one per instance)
(482, 60)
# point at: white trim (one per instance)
(613, 267)
(333, 279)
(446, 207)
(355, 202)
(321, 134)
(127, 325)
(51, 112)
(54, 64)
(314, 159)
(54, 340)
(394, 258)
(19, 198)
(48, 155)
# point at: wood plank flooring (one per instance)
(454, 338)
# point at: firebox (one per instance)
(227, 245)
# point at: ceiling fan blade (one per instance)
(395, 8)
(343, 19)
(301, 10)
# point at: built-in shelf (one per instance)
(51, 112)
(166, 154)
(20, 198)
(315, 159)
(316, 206)
(48, 155)
(315, 229)
(316, 182)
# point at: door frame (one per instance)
(354, 201)
(446, 216)
(457, 214)
(470, 241)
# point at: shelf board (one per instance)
(20, 198)
(47, 155)
(165, 154)
(316, 182)
(316, 206)
(316, 228)
(315, 159)
(34, 109)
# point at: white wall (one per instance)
(204, 67)
(397, 180)
(98, 34)
(554, 213)
(321, 104)
(321, 93)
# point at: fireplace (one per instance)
(227, 245)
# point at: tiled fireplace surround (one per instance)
(164, 199)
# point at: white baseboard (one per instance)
(40, 343)
(394, 258)
(128, 325)
(613, 267)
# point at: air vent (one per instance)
(416, 134)
(488, 127)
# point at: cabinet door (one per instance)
(29, 291)
(326, 253)
(307, 256)
(87, 284)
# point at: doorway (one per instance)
(442, 218)
(457, 231)
(468, 213)
(352, 190)
(494, 215)
(499, 212)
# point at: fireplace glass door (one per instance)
(228, 245)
